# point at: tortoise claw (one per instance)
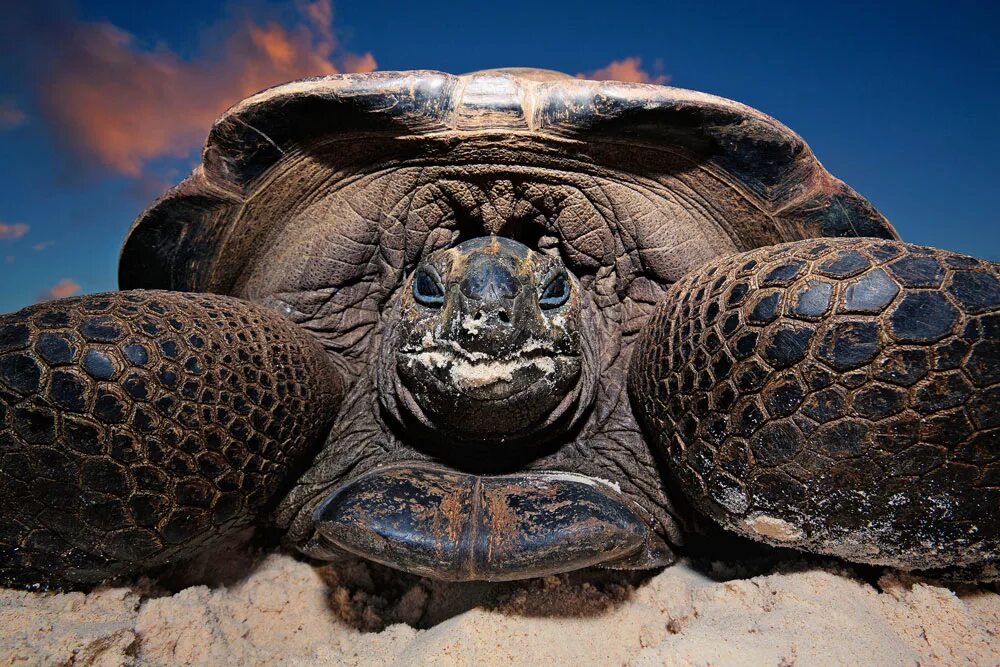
(458, 527)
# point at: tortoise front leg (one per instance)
(838, 396)
(137, 427)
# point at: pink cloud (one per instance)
(62, 289)
(10, 115)
(627, 69)
(122, 105)
(11, 232)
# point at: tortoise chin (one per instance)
(487, 399)
(487, 346)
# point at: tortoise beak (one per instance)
(453, 526)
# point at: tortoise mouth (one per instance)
(482, 377)
(454, 526)
(453, 350)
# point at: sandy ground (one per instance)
(277, 610)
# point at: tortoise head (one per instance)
(492, 342)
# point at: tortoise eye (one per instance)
(555, 293)
(427, 289)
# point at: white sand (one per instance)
(286, 612)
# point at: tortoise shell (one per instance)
(517, 152)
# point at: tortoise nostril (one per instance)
(500, 315)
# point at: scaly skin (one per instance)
(836, 396)
(137, 427)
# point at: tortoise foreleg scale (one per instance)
(138, 427)
(837, 396)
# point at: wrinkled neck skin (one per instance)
(462, 429)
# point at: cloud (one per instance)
(626, 69)
(62, 289)
(10, 115)
(120, 104)
(12, 232)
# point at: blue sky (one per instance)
(900, 100)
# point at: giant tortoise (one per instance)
(503, 325)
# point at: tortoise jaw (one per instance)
(454, 526)
(483, 378)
